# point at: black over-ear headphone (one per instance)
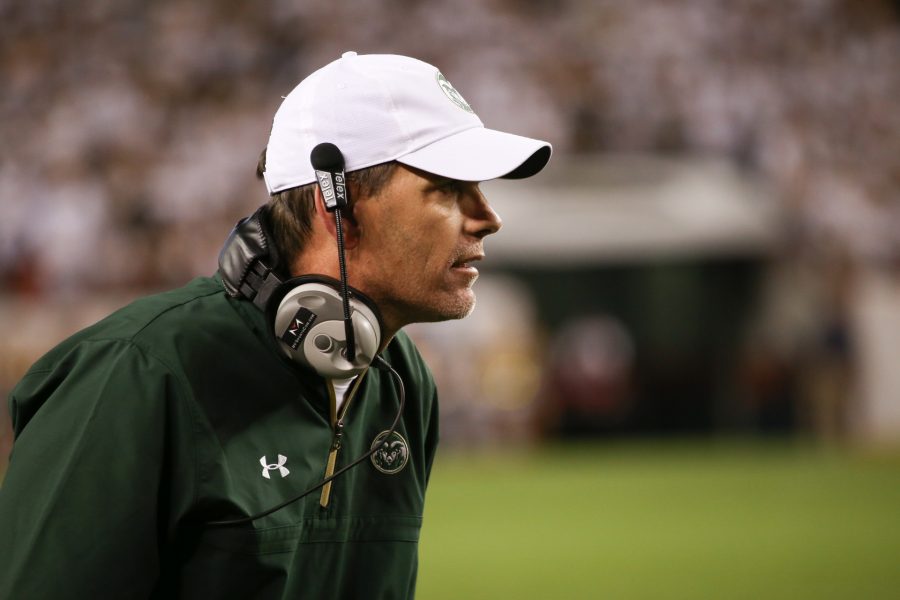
(305, 314)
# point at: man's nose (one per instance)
(484, 220)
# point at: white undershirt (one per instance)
(341, 387)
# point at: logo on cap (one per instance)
(450, 91)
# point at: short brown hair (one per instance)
(291, 211)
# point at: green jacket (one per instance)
(178, 410)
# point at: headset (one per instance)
(305, 314)
(317, 321)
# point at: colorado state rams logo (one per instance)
(392, 454)
(451, 93)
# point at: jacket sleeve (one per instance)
(94, 482)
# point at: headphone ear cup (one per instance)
(309, 328)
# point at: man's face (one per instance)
(419, 239)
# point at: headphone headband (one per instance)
(248, 260)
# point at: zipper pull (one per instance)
(338, 434)
(332, 459)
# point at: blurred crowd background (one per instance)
(131, 132)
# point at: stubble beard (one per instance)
(423, 309)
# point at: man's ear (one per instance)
(348, 221)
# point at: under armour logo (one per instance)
(271, 467)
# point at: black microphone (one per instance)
(328, 163)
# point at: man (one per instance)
(149, 445)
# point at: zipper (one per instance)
(332, 459)
(337, 423)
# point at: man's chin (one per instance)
(457, 308)
(465, 306)
(449, 308)
(462, 313)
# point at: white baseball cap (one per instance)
(381, 107)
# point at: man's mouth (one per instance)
(466, 261)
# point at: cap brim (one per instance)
(480, 154)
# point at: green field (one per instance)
(663, 520)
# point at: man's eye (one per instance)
(452, 186)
